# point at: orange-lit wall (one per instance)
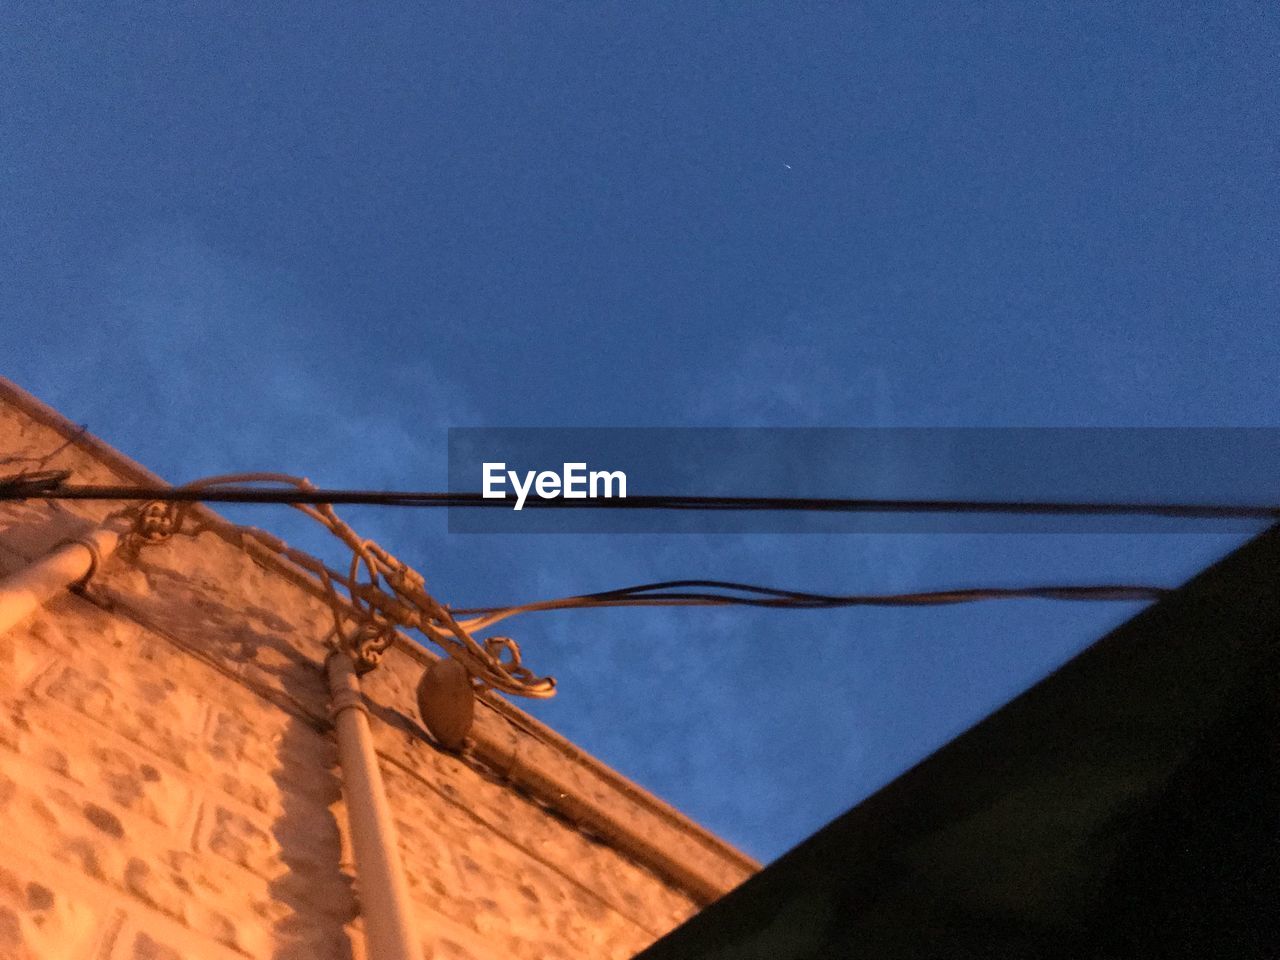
(168, 788)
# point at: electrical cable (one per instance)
(30, 486)
(392, 594)
(384, 593)
(824, 599)
(677, 593)
(32, 483)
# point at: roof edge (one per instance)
(707, 872)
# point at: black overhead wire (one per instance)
(772, 596)
(728, 593)
(31, 484)
(51, 485)
(43, 484)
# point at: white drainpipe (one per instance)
(68, 565)
(384, 892)
(380, 880)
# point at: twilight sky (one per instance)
(309, 237)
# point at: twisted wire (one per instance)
(674, 593)
(384, 593)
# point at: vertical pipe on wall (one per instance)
(67, 565)
(380, 879)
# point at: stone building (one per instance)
(168, 776)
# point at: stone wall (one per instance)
(168, 784)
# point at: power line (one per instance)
(671, 588)
(50, 485)
(718, 593)
(298, 492)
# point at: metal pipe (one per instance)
(383, 890)
(69, 564)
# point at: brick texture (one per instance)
(168, 782)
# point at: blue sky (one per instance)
(311, 237)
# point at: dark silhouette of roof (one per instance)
(1128, 805)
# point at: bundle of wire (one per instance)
(301, 494)
(723, 593)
